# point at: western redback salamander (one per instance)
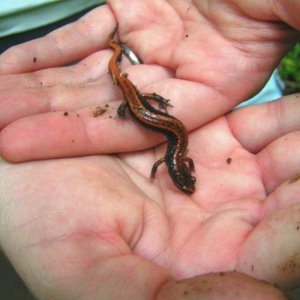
(179, 166)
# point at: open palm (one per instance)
(100, 217)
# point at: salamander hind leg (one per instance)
(191, 164)
(155, 166)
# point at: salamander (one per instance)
(178, 164)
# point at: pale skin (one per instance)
(96, 227)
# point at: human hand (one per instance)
(205, 56)
(46, 242)
(97, 228)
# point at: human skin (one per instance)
(95, 227)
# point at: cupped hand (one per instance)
(204, 56)
(96, 227)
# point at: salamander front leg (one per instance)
(155, 166)
(122, 110)
(162, 102)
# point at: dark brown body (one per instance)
(154, 119)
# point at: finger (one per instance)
(87, 70)
(271, 252)
(62, 134)
(280, 160)
(64, 45)
(103, 134)
(285, 195)
(256, 126)
(15, 104)
(223, 285)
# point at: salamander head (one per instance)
(188, 185)
(183, 179)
